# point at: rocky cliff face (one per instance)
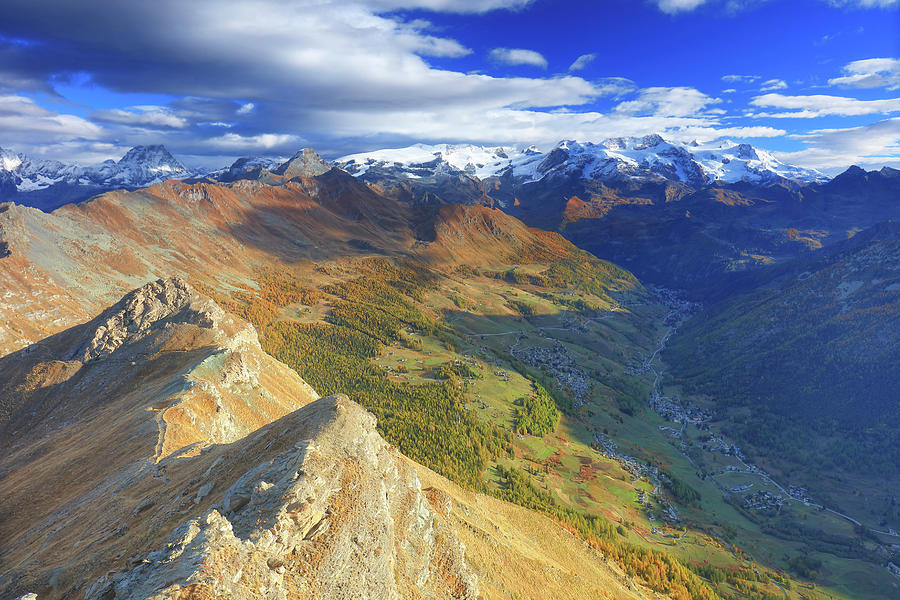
(92, 420)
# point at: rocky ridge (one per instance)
(156, 452)
(337, 514)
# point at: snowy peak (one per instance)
(646, 158)
(141, 166)
(154, 158)
(650, 141)
(9, 160)
(243, 168)
(423, 160)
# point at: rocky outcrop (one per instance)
(305, 163)
(338, 514)
(146, 309)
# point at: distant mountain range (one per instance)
(618, 159)
(682, 215)
(48, 184)
(436, 172)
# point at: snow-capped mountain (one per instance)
(144, 165)
(650, 157)
(50, 183)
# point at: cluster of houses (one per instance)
(556, 362)
(763, 500)
(802, 494)
(672, 409)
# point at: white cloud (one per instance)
(773, 84)
(729, 91)
(233, 142)
(508, 126)
(141, 116)
(614, 86)
(740, 78)
(518, 56)
(582, 61)
(667, 102)
(24, 121)
(864, 3)
(454, 6)
(734, 6)
(676, 6)
(871, 73)
(808, 107)
(349, 72)
(832, 150)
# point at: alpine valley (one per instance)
(623, 369)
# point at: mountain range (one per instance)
(413, 380)
(618, 159)
(47, 184)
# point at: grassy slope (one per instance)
(563, 463)
(787, 359)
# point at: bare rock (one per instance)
(337, 515)
(305, 163)
(145, 309)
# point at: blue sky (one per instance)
(816, 80)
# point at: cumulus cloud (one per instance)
(667, 102)
(833, 150)
(285, 61)
(518, 56)
(504, 126)
(614, 86)
(336, 74)
(864, 3)
(871, 73)
(23, 120)
(233, 142)
(740, 78)
(734, 6)
(454, 6)
(341, 53)
(582, 61)
(773, 84)
(808, 107)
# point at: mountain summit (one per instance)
(154, 159)
(305, 163)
